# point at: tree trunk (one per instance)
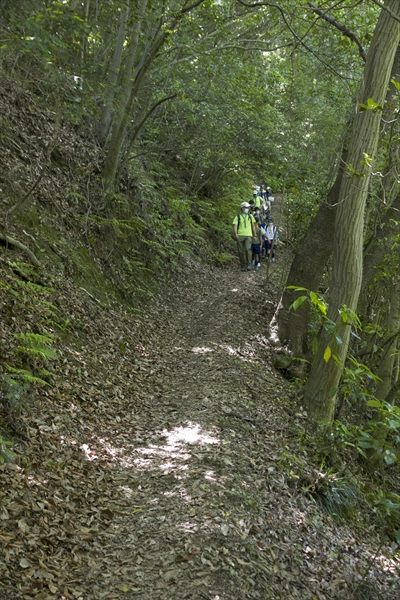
(386, 389)
(288, 326)
(386, 366)
(380, 243)
(135, 82)
(322, 385)
(84, 41)
(113, 77)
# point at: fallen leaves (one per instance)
(147, 473)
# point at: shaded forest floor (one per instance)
(168, 460)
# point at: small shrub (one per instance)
(336, 495)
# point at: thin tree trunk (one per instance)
(387, 384)
(142, 118)
(380, 243)
(84, 41)
(149, 54)
(322, 385)
(386, 366)
(113, 77)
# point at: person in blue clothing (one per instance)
(264, 223)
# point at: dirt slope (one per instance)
(166, 461)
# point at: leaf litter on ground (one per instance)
(157, 465)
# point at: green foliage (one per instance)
(6, 455)
(24, 269)
(223, 258)
(319, 313)
(371, 105)
(16, 390)
(36, 345)
(387, 506)
(362, 439)
(355, 388)
(37, 351)
(388, 446)
(299, 208)
(355, 385)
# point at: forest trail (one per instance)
(176, 472)
(208, 511)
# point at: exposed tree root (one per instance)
(10, 241)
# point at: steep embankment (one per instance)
(166, 461)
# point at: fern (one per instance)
(36, 345)
(24, 269)
(34, 287)
(6, 455)
(26, 376)
(11, 290)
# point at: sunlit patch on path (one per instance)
(170, 456)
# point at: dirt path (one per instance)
(200, 480)
(168, 464)
(212, 506)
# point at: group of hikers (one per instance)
(256, 235)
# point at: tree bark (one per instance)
(149, 54)
(113, 77)
(290, 327)
(322, 385)
(385, 370)
(380, 243)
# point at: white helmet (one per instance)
(244, 205)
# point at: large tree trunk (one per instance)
(381, 241)
(322, 385)
(290, 327)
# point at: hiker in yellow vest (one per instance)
(244, 231)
